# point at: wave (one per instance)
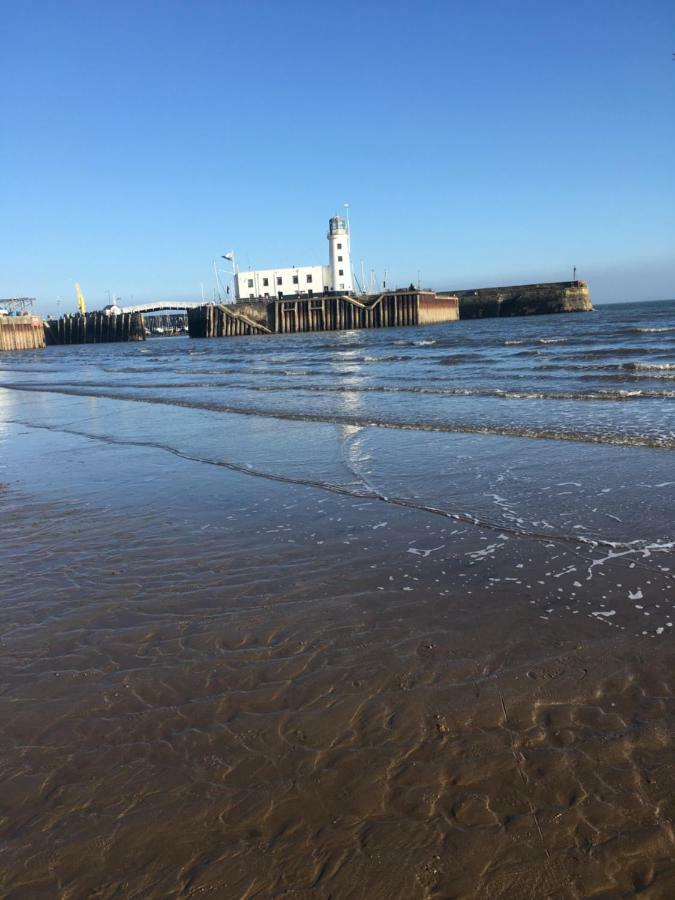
(626, 370)
(666, 367)
(643, 548)
(661, 330)
(392, 358)
(618, 394)
(537, 432)
(458, 358)
(505, 394)
(602, 352)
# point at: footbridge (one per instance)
(158, 306)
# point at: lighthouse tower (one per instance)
(340, 264)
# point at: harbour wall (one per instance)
(217, 320)
(94, 328)
(21, 333)
(524, 300)
(322, 312)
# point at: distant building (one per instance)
(307, 280)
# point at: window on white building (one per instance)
(340, 272)
(339, 246)
(251, 296)
(250, 283)
(295, 279)
(309, 279)
(278, 279)
(339, 259)
(266, 282)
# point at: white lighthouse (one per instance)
(339, 261)
(268, 284)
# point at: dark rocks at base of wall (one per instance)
(524, 300)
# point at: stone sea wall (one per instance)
(524, 299)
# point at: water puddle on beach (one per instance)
(328, 650)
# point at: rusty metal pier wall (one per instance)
(21, 333)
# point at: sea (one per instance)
(398, 411)
(379, 613)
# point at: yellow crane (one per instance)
(80, 300)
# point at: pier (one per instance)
(307, 313)
(22, 332)
(293, 314)
(524, 300)
(95, 328)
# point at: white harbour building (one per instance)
(303, 280)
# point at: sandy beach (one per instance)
(254, 656)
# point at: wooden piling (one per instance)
(95, 328)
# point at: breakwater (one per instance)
(524, 299)
(95, 328)
(21, 333)
(323, 313)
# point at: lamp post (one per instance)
(230, 258)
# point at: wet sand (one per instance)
(215, 684)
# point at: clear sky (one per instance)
(476, 142)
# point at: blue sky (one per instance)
(477, 142)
